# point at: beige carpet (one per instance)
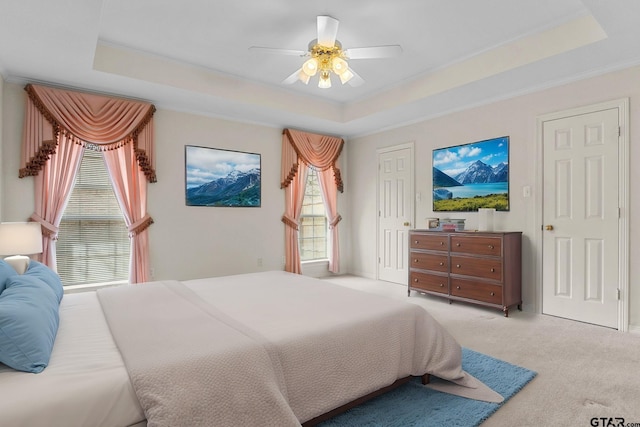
(584, 371)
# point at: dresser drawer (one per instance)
(477, 245)
(431, 242)
(478, 291)
(487, 268)
(429, 282)
(428, 261)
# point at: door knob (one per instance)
(548, 227)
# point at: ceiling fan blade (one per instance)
(356, 80)
(374, 52)
(327, 30)
(278, 51)
(292, 78)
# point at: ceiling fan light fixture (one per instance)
(325, 80)
(325, 56)
(346, 76)
(310, 67)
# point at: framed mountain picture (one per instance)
(217, 177)
(471, 176)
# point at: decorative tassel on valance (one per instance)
(108, 123)
(318, 151)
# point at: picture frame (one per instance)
(471, 176)
(218, 177)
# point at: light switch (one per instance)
(526, 191)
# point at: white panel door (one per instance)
(395, 212)
(580, 216)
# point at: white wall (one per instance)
(514, 117)
(187, 242)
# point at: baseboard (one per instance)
(363, 274)
(529, 308)
(634, 329)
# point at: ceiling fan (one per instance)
(326, 56)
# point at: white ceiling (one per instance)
(193, 56)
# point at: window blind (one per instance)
(93, 242)
(312, 236)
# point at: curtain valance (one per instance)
(319, 151)
(107, 122)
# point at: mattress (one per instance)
(85, 384)
(333, 344)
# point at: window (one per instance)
(313, 222)
(93, 241)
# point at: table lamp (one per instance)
(19, 239)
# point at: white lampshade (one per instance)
(346, 76)
(20, 239)
(310, 67)
(325, 81)
(339, 65)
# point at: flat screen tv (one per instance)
(471, 176)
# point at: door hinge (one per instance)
(618, 294)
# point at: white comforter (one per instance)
(85, 384)
(268, 348)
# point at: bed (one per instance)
(269, 348)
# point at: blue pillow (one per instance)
(29, 322)
(6, 271)
(44, 273)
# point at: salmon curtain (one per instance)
(300, 150)
(58, 124)
(293, 197)
(53, 186)
(129, 186)
(330, 198)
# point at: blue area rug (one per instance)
(412, 405)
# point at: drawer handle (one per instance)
(441, 243)
(490, 246)
(457, 244)
(442, 285)
(415, 260)
(442, 263)
(416, 241)
(458, 265)
(492, 294)
(493, 270)
(457, 287)
(415, 280)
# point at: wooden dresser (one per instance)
(477, 267)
